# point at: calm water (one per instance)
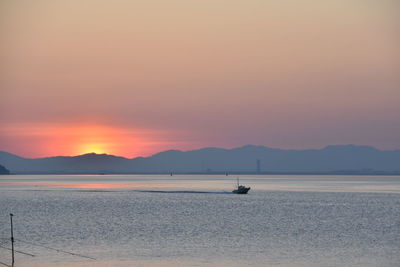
(196, 221)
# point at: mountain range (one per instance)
(338, 159)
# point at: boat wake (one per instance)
(181, 192)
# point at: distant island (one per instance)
(249, 159)
(3, 170)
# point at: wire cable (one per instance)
(18, 251)
(55, 249)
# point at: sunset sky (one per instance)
(133, 78)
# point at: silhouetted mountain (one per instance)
(3, 170)
(86, 164)
(331, 159)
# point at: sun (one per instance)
(80, 139)
(97, 148)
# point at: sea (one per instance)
(195, 220)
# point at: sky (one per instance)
(133, 78)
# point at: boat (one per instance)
(241, 189)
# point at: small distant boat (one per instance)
(241, 189)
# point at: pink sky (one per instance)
(136, 77)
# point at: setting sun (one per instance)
(95, 139)
(77, 139)
(92, 148)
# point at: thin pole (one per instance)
(12, 238)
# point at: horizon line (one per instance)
(178, 150)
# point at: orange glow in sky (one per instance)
(77, 139)
(97, 139)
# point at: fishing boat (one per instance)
(240, 189)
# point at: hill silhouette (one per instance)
(342, 159)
